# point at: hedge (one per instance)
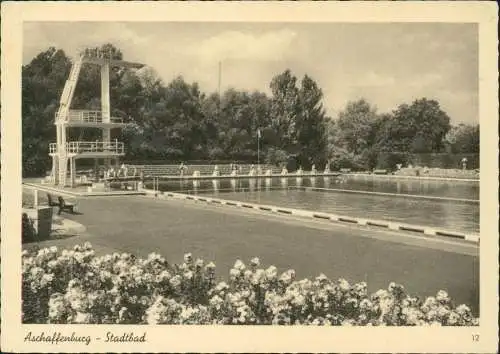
(76, 286)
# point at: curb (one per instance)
(71, 194)
(416, 178)
(390, 225)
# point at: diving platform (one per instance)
(65, 152)
(88, 119)
(111, 62)
(86, 149)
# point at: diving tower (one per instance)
(64, 153)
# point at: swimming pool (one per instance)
(450, 205)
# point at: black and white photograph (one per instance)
(248, 175)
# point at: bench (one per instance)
(51, 201)
(63, 205)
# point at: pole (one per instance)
(258, 152)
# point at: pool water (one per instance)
(457, 210)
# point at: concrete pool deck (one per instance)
(141, 225)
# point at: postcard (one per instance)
(249, 177)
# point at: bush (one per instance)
(389, 160)
(342, 159)
(275, 156)
(28, 229)
(75, 286)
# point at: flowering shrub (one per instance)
(75, 286)
(28, 229)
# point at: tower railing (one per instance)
(87, 116)
(79, 147)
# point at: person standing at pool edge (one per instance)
(182, 168)
(464, 163)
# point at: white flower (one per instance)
(176, 281)
(442, 296)
(221, 287)
(122, 312)
(57, 306)
(239, 265)
(443, 311)
(322, 278)
(154, 257)
(125, 256)
(413, 316)
(199, 263)
(386, 304)
(37, 272)
(234, 273)
(258, 276)
(453, 319)
(344, 285)
(271, 273)
(365, 304)
(188, 275)
(188, 258)
(380, 294)
(154, 314)
(216, 301)
(187, 313)
(299, 300)
(164, 275)
(429, 303)
(79, 257)
(463, 310)
(210, 266)
(46, 279)
(255, 262)
(248, 274)
(347, 323)
(82, 318)
(431, 314)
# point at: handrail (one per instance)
(78, 147)
(87, 116)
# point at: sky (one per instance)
(386, 63)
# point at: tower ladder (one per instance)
(69, 89)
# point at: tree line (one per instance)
(177, 121)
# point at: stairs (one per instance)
(62, 114)
(205, 170)
(69, 89)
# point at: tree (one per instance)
(463, 139)
(419, 127)
(284, 108)
(42, 83)
(357, 126)
(311, 124)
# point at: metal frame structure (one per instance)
(64, 152)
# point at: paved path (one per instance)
(142, 225)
